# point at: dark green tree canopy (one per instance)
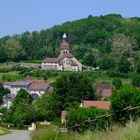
(122, 98)
(136, 80)
(124, 65)
(117, 82)
(3, 92)
(22, 96)
(72, 87)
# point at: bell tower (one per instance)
(64, 48)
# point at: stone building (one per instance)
(65, 61)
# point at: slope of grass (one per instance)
(3, 131)
(130, 132)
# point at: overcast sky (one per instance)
(18, 16)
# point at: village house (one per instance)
(35, 87)
(103, 90)
(38, 88)
(65, 61)
(16, 86)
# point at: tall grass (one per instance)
(130, 132)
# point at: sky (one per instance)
(17, 16)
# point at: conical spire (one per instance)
(64, 36)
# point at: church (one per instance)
(65, 61)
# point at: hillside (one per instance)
(91, 37)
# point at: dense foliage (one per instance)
(22, 112)
(71, 88)
(81, 119)
(47, 107)
(127, 96)
(117, 83)
(3, 92)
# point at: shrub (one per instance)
(79, 119)
(122, 98)
(117, 82)
(136, 80)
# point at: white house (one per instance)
(16, 86)
(35, 87)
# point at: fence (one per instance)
(106, 116)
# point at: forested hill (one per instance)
(91, 37)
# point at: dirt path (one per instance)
(17, 135)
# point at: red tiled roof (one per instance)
(50, 60)
(42, 86)
(64, 46)
(38, 81)
(99, 104)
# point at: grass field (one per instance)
(8, 65)
(109, 80)
(12, 74)
(130, 132)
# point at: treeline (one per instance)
(90, 39)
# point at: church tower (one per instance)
(64, 48)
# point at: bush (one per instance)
(81, 116)
(136, 80)
(117, 82)
(113, 73)
(122, 98)
(10, 77)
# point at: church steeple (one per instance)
(64, 36)
(64, 46)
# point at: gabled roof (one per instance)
(50, 60)
(98, 104)
(42, 86)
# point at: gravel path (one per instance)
(17, 135)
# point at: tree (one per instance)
(124, 65)
(47, 107)
(89, 60)
(117, 82)
(136, 80)
(72, 87)
(106, 63)
(22, 96)
(3, 92)
(123, 43)
(138, 67)
(3, 54)
(14, 50)
(24, 114)
(124, 97)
